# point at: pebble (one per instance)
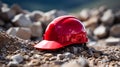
(11, 13)
(94, 12)
(71, 64)
(21, 32)
(112, 41)
(48, 55)
(80, 62)
(102, 8)
(53, 58)
(60, 56)
(26, 57)
(17, 9)
(4, 12)
(22, 20)
(91, 23)
(37, 29)
(92, 43)
(34, 62)
(36, 56)
(17, 58)
(83, 62)
(117, 17)
(36, 15)
(115, 30)
(50, 15)
(107, 18)
(84, 14)
(68, 55)
(101, 31)
(75, 50)
(12, 64)
(4, 8)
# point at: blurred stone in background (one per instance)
(21, 32)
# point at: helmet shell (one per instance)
(65, 30)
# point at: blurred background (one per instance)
(67, 5)
(100, 17)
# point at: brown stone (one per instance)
(36, 16)
(24, 33)
(48, 55)
(115, 30)
(91, 23)
(16, 8)
(112, 41)
(37, 29)
(84, 14)
(101, 31)
(107, 18)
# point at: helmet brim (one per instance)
(48, 45)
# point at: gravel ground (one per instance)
(17, 52)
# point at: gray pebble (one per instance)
(12, 64)
(60, 56)
(17, 58)
(68, 55)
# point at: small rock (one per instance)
(68, 55)
(97, 54)
(90, 35)
(71, 64)
(92, 43)
(24, 33)
(36, 56)
(50, 15)
(11, 14)
(3, 14)
(37, 29)
(107, 18)
(115, 30)
(48, 55)
(101, 31)
(4, 8)
(36, 16)
(26, 57)
(84, 14)
(105, 60)
(117, 17)
(58, 62)
(52, 58)
(46, 59)
(94, 12)
(13, 64)
(60, 56)
(102, 8)
(83, 62)
(34, 62)
(91, 23)
(16, 8)
(17, 58)
(112, 41)
(22, 20)
(75, 50)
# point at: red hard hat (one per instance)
(63, 31)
